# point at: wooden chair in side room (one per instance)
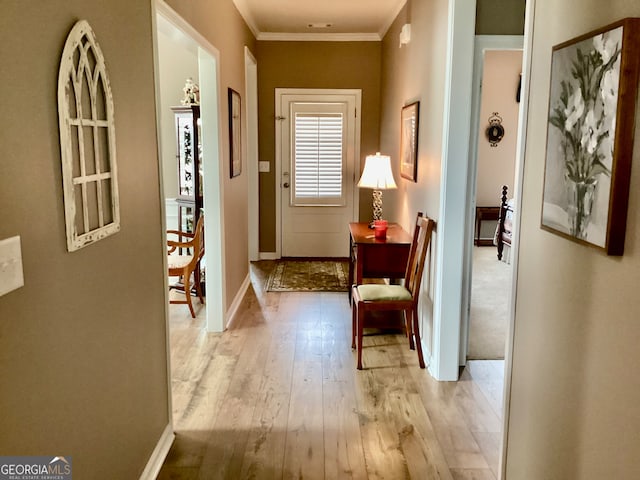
(185, 262)
(376, 297)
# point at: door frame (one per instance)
(213, 186)
(483, 43)
(251, 95)
(527, 53)
(452, 224)
(280, 116)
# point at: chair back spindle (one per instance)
(417, 255)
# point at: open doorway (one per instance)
(178, 61)
(184, 54)
(498, 84)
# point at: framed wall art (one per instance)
(235, 137)
(87, 141)
(592, 108)
(409, 141)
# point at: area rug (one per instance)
(309, 276)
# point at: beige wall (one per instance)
(313, 65)
(575, 404)
(416, 72)
(500, 17)
(221, 24)
(496, 165)
(82, 345)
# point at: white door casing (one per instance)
(482, 44)
(251, 105)
(317, 201)
(213, 186)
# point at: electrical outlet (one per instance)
(11, 275)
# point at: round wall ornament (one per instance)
(495, 130)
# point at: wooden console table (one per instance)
(372, 258)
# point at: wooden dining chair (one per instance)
(404, 298)
(183, 260)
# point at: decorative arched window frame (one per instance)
(87, 141)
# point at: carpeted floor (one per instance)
(490, 296)
(309, 276)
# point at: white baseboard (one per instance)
(237, 301)
(159, 454)
(269, 256)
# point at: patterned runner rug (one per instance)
(309, 276)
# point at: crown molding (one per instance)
(245, 12)
(318, 37)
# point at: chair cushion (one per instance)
(178, 261)
(378, 293)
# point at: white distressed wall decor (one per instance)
(87, 141)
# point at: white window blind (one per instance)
(318, 159)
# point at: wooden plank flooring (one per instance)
(277, 396)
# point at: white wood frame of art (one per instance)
(87, 141)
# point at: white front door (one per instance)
(318, 151)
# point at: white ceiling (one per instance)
(349, 19)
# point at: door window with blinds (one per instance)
(318, 160)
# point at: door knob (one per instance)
(285, 184)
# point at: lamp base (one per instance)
(377, 205)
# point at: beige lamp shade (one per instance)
(377, 173)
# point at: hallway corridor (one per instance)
(278, 396)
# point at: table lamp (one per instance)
(377, 175)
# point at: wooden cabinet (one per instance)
(189, 159)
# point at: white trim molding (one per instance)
(159, 454)
(213, 185)
(515, 243)
(319, 37)
(237, 301)
(252, 160)
(447, 309)
(482, 44)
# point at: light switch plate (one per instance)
(11, 275)
(263, 166)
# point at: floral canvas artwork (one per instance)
(583, 139)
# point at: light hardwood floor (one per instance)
(277, 395)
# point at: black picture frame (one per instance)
(409, 124)
(235, 133)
